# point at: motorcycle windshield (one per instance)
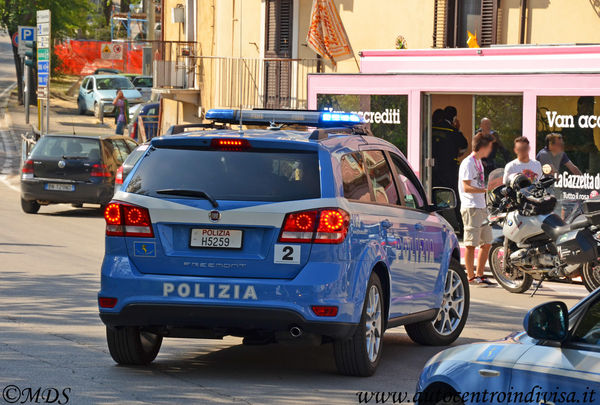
(495, 179)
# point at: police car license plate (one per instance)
(60, 187)
(216, 238)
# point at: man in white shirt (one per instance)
(471, 189)
(531, 168)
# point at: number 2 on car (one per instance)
(287, 254)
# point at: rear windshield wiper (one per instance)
(74, 157)
(189, 193)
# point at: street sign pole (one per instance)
(43, 26)
(27, 84)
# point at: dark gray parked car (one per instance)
(72, 169)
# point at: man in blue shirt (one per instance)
(554, 155)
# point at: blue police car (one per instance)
(556, 360)
(279, 234)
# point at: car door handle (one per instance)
(489, 373)
(419, 227)
(386, 223)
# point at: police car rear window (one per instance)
(230, 175)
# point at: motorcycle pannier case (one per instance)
(577, 246)
(591, 209)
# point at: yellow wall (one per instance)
(551, 22)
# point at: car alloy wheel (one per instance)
(453, 303)
(373, 324)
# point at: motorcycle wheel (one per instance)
(590, 274)
(514, 285)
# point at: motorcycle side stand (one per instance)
(538, 285)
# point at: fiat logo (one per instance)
(214, 215)
(61, 164)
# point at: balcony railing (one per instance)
(233, 82)
(174, 64)
(255, 82)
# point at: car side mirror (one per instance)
(549, 321)
(443, 198)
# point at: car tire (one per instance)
(80, 109)
(128, 345)
(359, 355)
(508, 283)
(590, 274)
(30, 206)
(450, 320)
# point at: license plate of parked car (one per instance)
(59, 187)
(216, 238)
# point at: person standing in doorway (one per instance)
(531, 168)
(489, 163)
(122, 112)
(472, 189)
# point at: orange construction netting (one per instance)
(83, 57)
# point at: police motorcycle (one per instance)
(536, 243)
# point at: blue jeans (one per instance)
(120, 128)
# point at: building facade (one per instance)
(253, 53)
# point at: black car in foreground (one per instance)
(73, 169)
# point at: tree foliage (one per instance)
(68, 16)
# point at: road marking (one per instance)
(484, 302)
(4, 180)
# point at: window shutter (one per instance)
(489, 21)
(440, 13)
(278, 45)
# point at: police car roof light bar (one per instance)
(311, 118)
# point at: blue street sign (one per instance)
(27, 34)
(42, 79)
(43, 66)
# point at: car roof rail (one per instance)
(180, 129)
(323, 133)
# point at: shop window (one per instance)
(568, 137)
(506, 115)
(386, 115)
(453, 18)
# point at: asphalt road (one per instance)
(51, 336)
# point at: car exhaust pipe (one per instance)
(295, 332)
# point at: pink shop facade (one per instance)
(528, 91)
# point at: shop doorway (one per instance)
(449, 122)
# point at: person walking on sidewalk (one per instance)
(471, 190)
(122, 112)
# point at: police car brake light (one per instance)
(230, 144)
(325, 310)
(333, 226)
(328, 225)
(127, 220)
(299, 227)
(106, 302)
